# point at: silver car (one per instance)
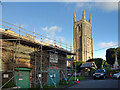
(117, 75)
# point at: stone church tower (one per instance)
(83, 42)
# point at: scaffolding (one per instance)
(15, 40)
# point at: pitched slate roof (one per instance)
(88, 65)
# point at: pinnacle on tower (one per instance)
(90, 19)
(74, 17)
(83, 15)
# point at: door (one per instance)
(53, 77)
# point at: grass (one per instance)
(64, 83)
(79, 77)
(46, 86)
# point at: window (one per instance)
(79, 28)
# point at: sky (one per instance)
(55, 20)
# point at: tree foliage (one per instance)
(104, 63)
(118, 55)
(110, 56)
(68, 57)
(78, 64)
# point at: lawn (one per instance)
(64, 83)
(79, 77)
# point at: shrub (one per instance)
(108, 70)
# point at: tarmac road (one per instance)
(99, 83)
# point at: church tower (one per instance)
(83, 41)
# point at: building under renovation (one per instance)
(30, 61)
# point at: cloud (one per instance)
(52, 33)
(59, 0)
(100, 53)
(106, 6)
(60, 38)
(108, 44)
(84, 4)
(44, 29)
(52, 30)
(22, 25)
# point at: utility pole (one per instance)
(75, 69)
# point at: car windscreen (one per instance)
(100, 71)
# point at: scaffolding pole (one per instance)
(35, 70)
(66, 60)
(13, 61)
(41, 65)
(41, 49)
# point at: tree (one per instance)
(68, 57)
(98, 61)
(78, 64)
(104, 63)
(118, 55)
(110, 56)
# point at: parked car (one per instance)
(100, 73)
(116, 75)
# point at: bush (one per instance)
(108, 70)
(63, 82)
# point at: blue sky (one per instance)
(55, 20)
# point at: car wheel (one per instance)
(94, 78)
(104, 77)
